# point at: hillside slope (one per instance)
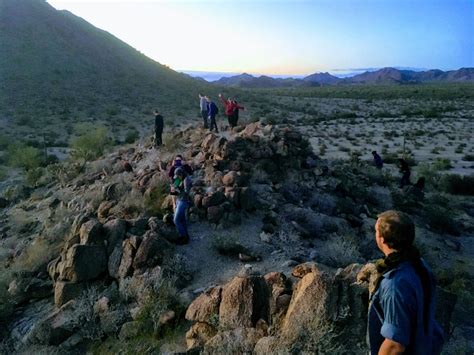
(53, 61)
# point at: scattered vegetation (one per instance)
(91, 142)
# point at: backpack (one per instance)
(216, 109)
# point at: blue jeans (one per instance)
(180, 217)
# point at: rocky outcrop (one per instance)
(324, 312)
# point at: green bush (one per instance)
(457, 184)
(156, 196)
(228, 245)
(468, 157)
(24, 156)
(132, 136)
(442, 164)
(91, 142)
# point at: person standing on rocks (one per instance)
(212, 112)
(231, 110)
(401, 311)
(177, 163)
(204, 107)
(159, 124)
(180, 188)
(236, 107)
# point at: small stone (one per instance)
(290, 263)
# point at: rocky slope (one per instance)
(92, 262)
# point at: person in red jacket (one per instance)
(231, 110)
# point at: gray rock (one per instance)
(83, 262)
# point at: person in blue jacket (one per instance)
(212, 112)
(401, 312)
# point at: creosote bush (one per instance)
(91, 142)
(24, 156)
(156, 195)
(457, 184)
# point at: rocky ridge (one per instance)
(116, 254)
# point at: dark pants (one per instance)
(158, 138)
(204, 118)
(405, 180)
(235, 117)
(213, 123)
(231, 120)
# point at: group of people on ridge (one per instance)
(209, 111)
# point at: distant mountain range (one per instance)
(382, 76)
(52, 61)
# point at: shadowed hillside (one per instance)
(53, 62)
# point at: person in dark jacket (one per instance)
(405, 170)
(377, 160)
(159, 124)
(212, 112)
(178, 163)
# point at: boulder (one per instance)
(232, 178)
(215, 214)
(213, 199)
(151, 251)
(91, 233)
(104, 208)
(65, 291)
(327, 306)
(244, 301)
(111, 321)
(22, 289)
(83, 262)
(199, 334)
(56, 327)
(232, 195)
(114, 231)
(205, 308)
(137, 226)
(130, 247)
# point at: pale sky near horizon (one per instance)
(289, 37)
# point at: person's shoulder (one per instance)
(402, 277)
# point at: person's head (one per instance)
(180, 173)
(156, 112)
(207, 98)
(394, 231)
(178, 160)
(374, 152)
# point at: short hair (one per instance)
(397, 229)
(179, 156)
(374, 152)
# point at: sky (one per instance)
(294, 37)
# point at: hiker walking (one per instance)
(377, 160)
(204, 109)
(212, 110)
(401, 311)
(158, 128)
(405, 170)
(180, 188)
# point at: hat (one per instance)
(180, 172)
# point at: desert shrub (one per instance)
(132, 136)
(457, 184)
(3, 173)
(432, 112)
(171, 143)
(24, 156)
(6, 302)
(162, 297)
(91, 142)
(439, 215)
(339, 251)
(228, 245)
(442, 164)
(65, 172)
(36, 256)
(33, 176)
(4, 142)
(155, 197)
(468, 157)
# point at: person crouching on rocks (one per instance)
(180, 188)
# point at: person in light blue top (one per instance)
(401, 313)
